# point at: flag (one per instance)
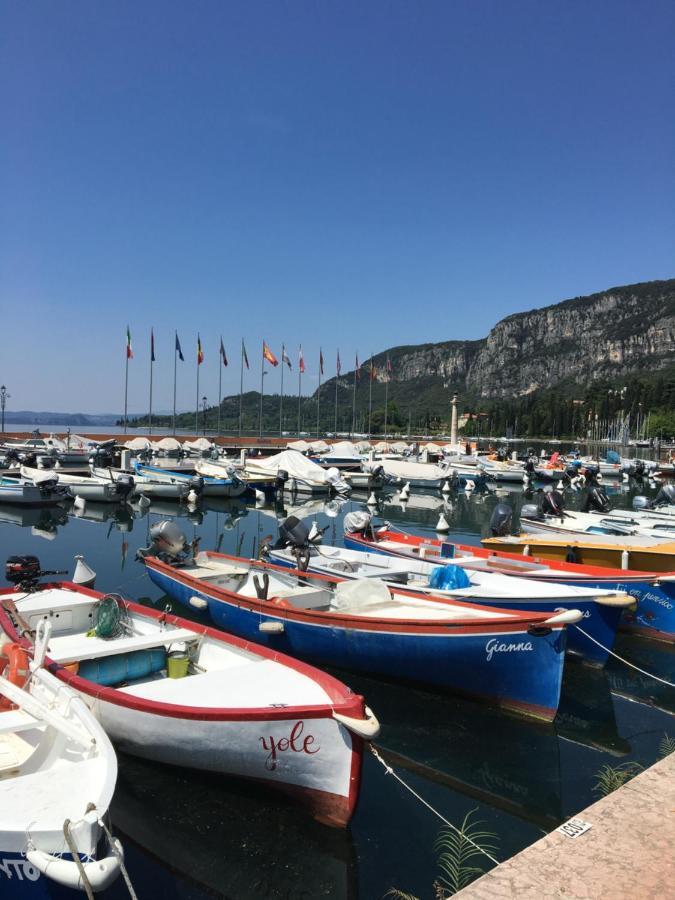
(373, 371)
(320, 361)
(223, 355)
(390, 369)
(152, 345)
(284, 357)
(244, 356)
(178, 350)
(357, 368)
(301, 362)
(339, 366)
(200, 352)
(130, 352)
(269, 356)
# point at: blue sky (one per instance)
(352, 175)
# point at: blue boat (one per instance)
(507, 658)
(229, 486)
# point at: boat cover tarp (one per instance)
(319, 447)
(403, 469)
(201, 444)
(168, 443)
(344, 448)
(138, 443)
(301, 446)
(293, 462)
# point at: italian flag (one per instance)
(130, 352)
(200, 352)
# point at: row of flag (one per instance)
(267, 353)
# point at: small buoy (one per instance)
(560, 485)
(271, 628)
(192, 497)
(79, 503)
(470, 485)
(526, 550)
(625, 476)
(372, 500)
(446, 488)
(442, 526)
(198, 602)
(403, 503)
(84, 574)
(259, 498)
(143, 501)
(625, 558)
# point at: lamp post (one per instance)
(204, 411)
(4, 397)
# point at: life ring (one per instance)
(17, 659)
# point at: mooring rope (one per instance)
(621, 659)
(120, 858)
(388, 769)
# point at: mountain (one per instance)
(546, 371)
(30, 417)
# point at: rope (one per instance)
(388, 769)
(120, 857)
(76, 859)
(621, 659)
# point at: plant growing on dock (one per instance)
(609, 778)
(667, 746)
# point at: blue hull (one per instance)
(512, 669)
(601, 622)
(20, 880)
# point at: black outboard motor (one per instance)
(531, 511)
(500, 523)
(281, 479)
(552, 504)
(125, 485)
(530, 464)
(596, 501)
(293, 533)
(48, 486)
(639, 468)
(196, 484)
(24, 572)
(665, 496)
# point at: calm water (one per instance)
(192, 835)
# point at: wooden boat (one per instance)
(239, 710)
(616, 522)
(654, 592)
(507, 658)
(228, 486)
(601, 609)
(57, 776)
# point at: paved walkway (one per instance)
(628, 854)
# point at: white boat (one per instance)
(616, 522)
(57, 776)
(145, 484)
(222, 485)
(416, 474)
(297, 473)
(181, 693)
(509, 471)
(99, 490)
(17, 493)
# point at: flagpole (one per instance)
(299, 385)
(337, 377)
(262, 380)
(175, 366)
(386, 396)
(281, 398)
(126, 389)
(197, 407)
(354, 406)
(220, 382)
(152, 353)
(318, 394)
(241, 383)
(370, 394)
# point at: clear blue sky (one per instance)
(352, 174)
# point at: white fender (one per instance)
(366, 728)
(566, 617)
(100, 872)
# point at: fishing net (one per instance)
(110, 618)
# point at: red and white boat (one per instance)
(178, 692)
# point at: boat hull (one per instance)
(502, 664)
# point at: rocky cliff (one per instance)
(606, 335)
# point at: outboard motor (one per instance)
(641, 502)
(293, 533)
(125, 485)
(281, 479)
(24, 572)
(639, 468)
(665, 497)
(48, 486)
(596, 500)
(357, 522)
(530, 464)
(196, 484)
(501, 454)
(500, 523)
(336, 481)
(167, 542)
(552, 504)
(531, 511)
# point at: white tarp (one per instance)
(399, 446)
(318, 447)
(200, 444)
(300, 446)
(432, 448)
(139, 443)
(344, 448)
(363, 446)
(291, 461)
(168, 443)
(406, 471)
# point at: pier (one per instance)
(626, 854)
